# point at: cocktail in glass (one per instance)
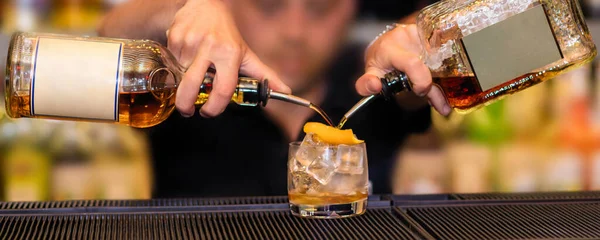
(327, 180)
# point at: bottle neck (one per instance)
(393, 83)
(248, 92)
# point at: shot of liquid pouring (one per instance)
(300, 101)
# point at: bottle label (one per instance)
(512, 48)
(76, 79)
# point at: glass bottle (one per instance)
(131, 82)
(480, 51)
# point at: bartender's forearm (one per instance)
(140, 19)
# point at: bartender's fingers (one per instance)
(192, 42)
(438, 101)
(407, 36)
(224, 85)
(175, 41)
(417, 72)
(187, 92)
(253, 67)
(369, 83)
(385, 61)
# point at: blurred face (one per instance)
(297, 38)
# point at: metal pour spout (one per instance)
(289, 98)
(301, 102)
(391, 84)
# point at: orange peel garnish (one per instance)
(330, 134)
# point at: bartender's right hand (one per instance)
(204, 34)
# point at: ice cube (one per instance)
(312, 139)
(349, 159)
(296, 166)
(322, 169)
(346, 184)
(489, 13)
(310, 149)
(303, 182)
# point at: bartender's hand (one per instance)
(203, 34)
(399, 49)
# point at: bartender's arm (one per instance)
(200, 34)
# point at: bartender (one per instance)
(301, 47)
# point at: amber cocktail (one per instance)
(327, 178)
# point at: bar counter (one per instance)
(550, 215)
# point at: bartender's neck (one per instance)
(291, 118)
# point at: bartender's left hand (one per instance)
(399, 49)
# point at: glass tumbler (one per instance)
(327, 181)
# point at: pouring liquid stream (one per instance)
(358, 106)
(342, 122)
(322, 114)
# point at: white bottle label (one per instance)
(511, 48)
(76, 79)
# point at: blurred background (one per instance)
(546, 138)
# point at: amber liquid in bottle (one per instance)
(141, 109)
(464, 93)
(137, 109)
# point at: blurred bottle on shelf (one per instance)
(24, 15)
(76, 16)
(568, 166)
(5, 134)
(520, 155)
(447, 127)
(421, 167)
(489, 125)
(527, 113)
(562, 171)
(518, 167)
(470, 166)
(26, 160)
(595, 149)
(489, 128)
(71, 149)
(121, 163)
(595, 122)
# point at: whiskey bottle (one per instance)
(131, 82)
(480, 51)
